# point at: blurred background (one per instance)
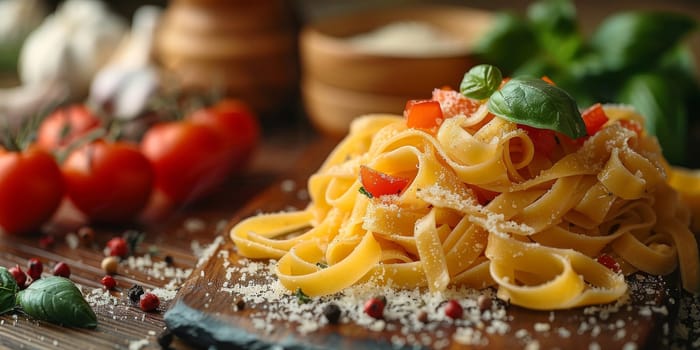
(290, 62)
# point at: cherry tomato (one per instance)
(380, 184)
(594, 117)
(64, 126)
(108, 182)
(31, 188)
(423, 114)
(238, 125)
(189, 159)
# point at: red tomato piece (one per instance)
(547, 80)
(594, 117)
(454, 103)
(544, 140)
(31, 188)
(108, 182)
(64, 126)
(423, 114)
(238, 125)
(379, 184)
(189, 159)
(631, 125)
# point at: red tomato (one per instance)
(423, 114)
(594, 117)
(64, 126)
(238, 125)
(31, 188)
(454, 103)
(632, 125)
(189, 159)
(380, 184)
(544, 140)
(108, 182)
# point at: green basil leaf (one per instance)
(57, 300)
(639, 39)
(508, 43)
(656, 99)
(555, 26)
(538, 104)
(8, 291)
(481, 81)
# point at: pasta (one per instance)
(484, 207)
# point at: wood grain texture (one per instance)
(205, 316)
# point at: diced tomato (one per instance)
(423, 114)
(454, 103)
(631, 125)
(544, 140)
(609, 262)
(594, 117)
(379, 184)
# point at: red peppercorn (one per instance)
(609, 262)
(19, 275)
(108, 282)
(61, 269)
(34, 268)
(453, 309)
(117, 246)
(149, 302)
(375, 307)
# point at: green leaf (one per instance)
(8, 291)
(302, 298)
(508, 43)
(57, 300)
(656, 99)
(538, 104)
(639, 39)
(481, 81)
(556, 29)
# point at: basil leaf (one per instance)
(538, 104)
(481, 81)
(57, 300)
(508, 44)
(8, 291)
(655, 98)
(556, 28)
(639, 39)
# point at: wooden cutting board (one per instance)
(205, 312)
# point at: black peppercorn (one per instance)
(169, 260)
(332, 313)
(134, 293)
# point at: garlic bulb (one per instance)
(71, 45)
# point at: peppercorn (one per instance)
(117, 246)
(169, 260)
(86, 235)
(134, 293)
(453, 309)
(34, 268)
(19, 275)
(332, 313)
(110, 265)
(374, 307)
(61, 269)
(149, 302)
(108, 282)
(423, 316)
(240, 304)
(484, 302)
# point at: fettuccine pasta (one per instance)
(484, 206)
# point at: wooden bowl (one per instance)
(332, 61)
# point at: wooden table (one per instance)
(123, 325)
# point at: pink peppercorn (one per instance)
(117, 246)
(374, 307)
(61, 269)
(34, 268)
(453, 309)
(19, 275)
(149, 302)
(108, 282)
